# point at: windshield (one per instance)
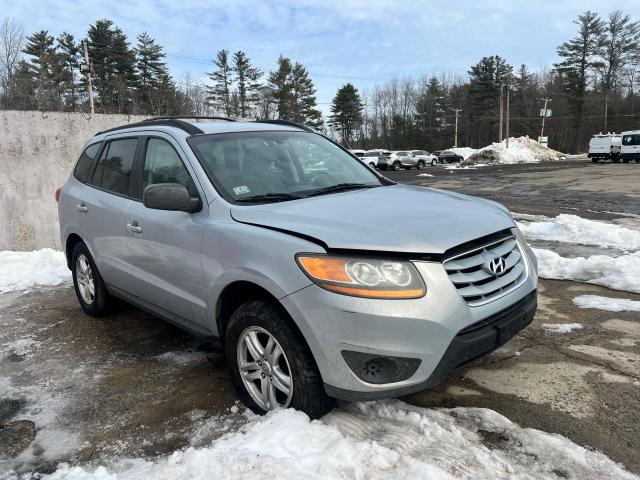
(278, 165)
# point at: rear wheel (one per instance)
(372, 165)
(626, 160)
(271, 363)
(396, 166)
(420, 165)
(594, 160)
(87, 282)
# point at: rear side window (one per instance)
(83, 167)
(162, 164)
(113, 171)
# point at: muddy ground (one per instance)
(75, 388)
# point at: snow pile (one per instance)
(425, 175)
(618, 273)
(606, 303)
(24, 270)
(573, 229)
(521, 150)
(372, 440)
(561, 327)
(464, 152)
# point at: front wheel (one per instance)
(372, 165)
(271, 363)
(434, 162)
(594, 160)
(396, 166)
(420, 165)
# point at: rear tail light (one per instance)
(58, 194)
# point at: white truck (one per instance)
(605, 147)
(630, 146)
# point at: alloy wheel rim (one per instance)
(264, 369)
(84, 279)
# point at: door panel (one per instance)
(165, 247)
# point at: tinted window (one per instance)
(162, 164)
(631, 140)
(114, 168)
(83, 167)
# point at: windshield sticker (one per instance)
(241, 190)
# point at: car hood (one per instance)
(396, 218)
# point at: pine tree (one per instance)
(619, 43)
(431, 114)
(40, 47)
(303, 98)
(248, 80)
(578, 56)
(151, 74)
(279, 83)
(346, 112)
(219, 94)
(113, 73)
(69, 55)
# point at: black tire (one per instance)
(434, 162)
(420, 165)
(309, 394)
(101, 298)
(594, 160)
(615, 160)
(626, 160)
(372, 165)
(396, 166)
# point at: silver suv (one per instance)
(306, 264)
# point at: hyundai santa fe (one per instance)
(306, 264)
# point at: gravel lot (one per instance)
(132, 385)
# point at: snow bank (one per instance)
(24, 270)
(618, 273)
(573, 229)
(607, 303)
(372, 440)
(521, 150)
(464, 152)
(561, 327)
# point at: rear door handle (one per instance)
(83, 207)
(134, 228)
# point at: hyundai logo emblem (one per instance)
(497, 265)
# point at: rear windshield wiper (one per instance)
(340, 187)
(270, 197)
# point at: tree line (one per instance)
(592, 88)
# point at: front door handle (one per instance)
(83, 207)
(133, 227)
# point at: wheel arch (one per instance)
(72, 240)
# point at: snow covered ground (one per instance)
(388, 439)
(24, 270)
(561, 327)
(606, 303)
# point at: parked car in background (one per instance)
(371, 158)
(605, 147)
(399, 160)
(358, 153)
(447, 156)
(429, 159)
(630, 148)
(318, 283)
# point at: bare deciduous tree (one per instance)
(11, 43)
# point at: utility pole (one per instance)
(501, 108)
(507, 122)
(455, 138)
(544, 115)
(606, 111)
(87, 68)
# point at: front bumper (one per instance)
(433, 329)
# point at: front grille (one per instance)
(468, 268)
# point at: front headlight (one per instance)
(520, 237)
(362, 277)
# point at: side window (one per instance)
(162, 164)
(113, 171)
(83, 167)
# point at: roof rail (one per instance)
(190, 128)
(287, 123)
(190, 117)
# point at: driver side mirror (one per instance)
(170, 196)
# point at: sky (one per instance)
(358, 41)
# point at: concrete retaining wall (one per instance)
(37, 152)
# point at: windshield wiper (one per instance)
(340, 187)
(270, 197)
